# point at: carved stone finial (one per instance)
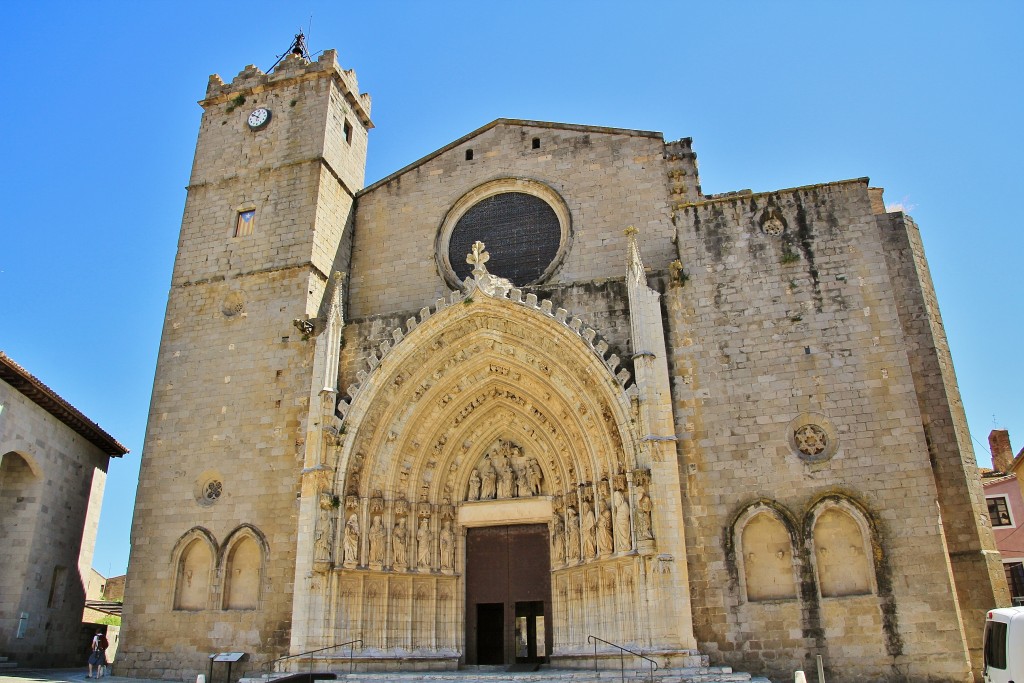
(630, 231)
(477, 258)
(490, 285)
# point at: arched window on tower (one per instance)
(767, 562)
(243, 571)
(841, 554)
(195, 564)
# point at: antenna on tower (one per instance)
(297, 48)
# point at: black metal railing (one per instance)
(275, 664)
(652, 665)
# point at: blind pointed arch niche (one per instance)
(525, 225)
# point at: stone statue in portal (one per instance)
(557, 541)
(506, 481)
(520, 489)
(447, 543)
(377, 540)
(642, 520)
(324, 536)
(572, 535)
(474, 486)
(423, 543)
(535, 476)
(622, 537)
(604, 532)
(350, 545)
(589, 524)
(488, 488)
(398, 540)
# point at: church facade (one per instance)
(537, 388)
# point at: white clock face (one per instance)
(259, 118)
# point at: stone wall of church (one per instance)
(977, 568)
(609, 180)
(213, 474)
(811, 516)
(51, 490)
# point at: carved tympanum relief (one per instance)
(505, 472)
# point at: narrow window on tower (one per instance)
(348, 132)
(536, 143)
(245, 223)
(57, 584)
(469, 155)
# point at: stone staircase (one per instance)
(486, 674)
(6, 663)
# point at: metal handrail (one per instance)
(653, 665)
(272, 666)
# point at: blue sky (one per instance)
(99, 121)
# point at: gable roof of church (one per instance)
(510, 122)
(50, 401)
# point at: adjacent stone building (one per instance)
(53, 467)
(1004, 495)
(536, 387)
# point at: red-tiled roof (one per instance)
(50, 401)
(996, 478)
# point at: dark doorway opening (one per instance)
(530, 645)
(508, 594)
(490, 633)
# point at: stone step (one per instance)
(704, 674)
(5, 664)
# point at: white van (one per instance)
(1004, 645)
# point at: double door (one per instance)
(508, 594)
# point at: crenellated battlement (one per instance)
(292, 68)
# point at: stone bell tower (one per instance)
(267, 219)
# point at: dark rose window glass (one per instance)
(521, 232)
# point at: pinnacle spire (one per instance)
(635, 264)
(334, 307)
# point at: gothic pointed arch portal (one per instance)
(492, 411)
